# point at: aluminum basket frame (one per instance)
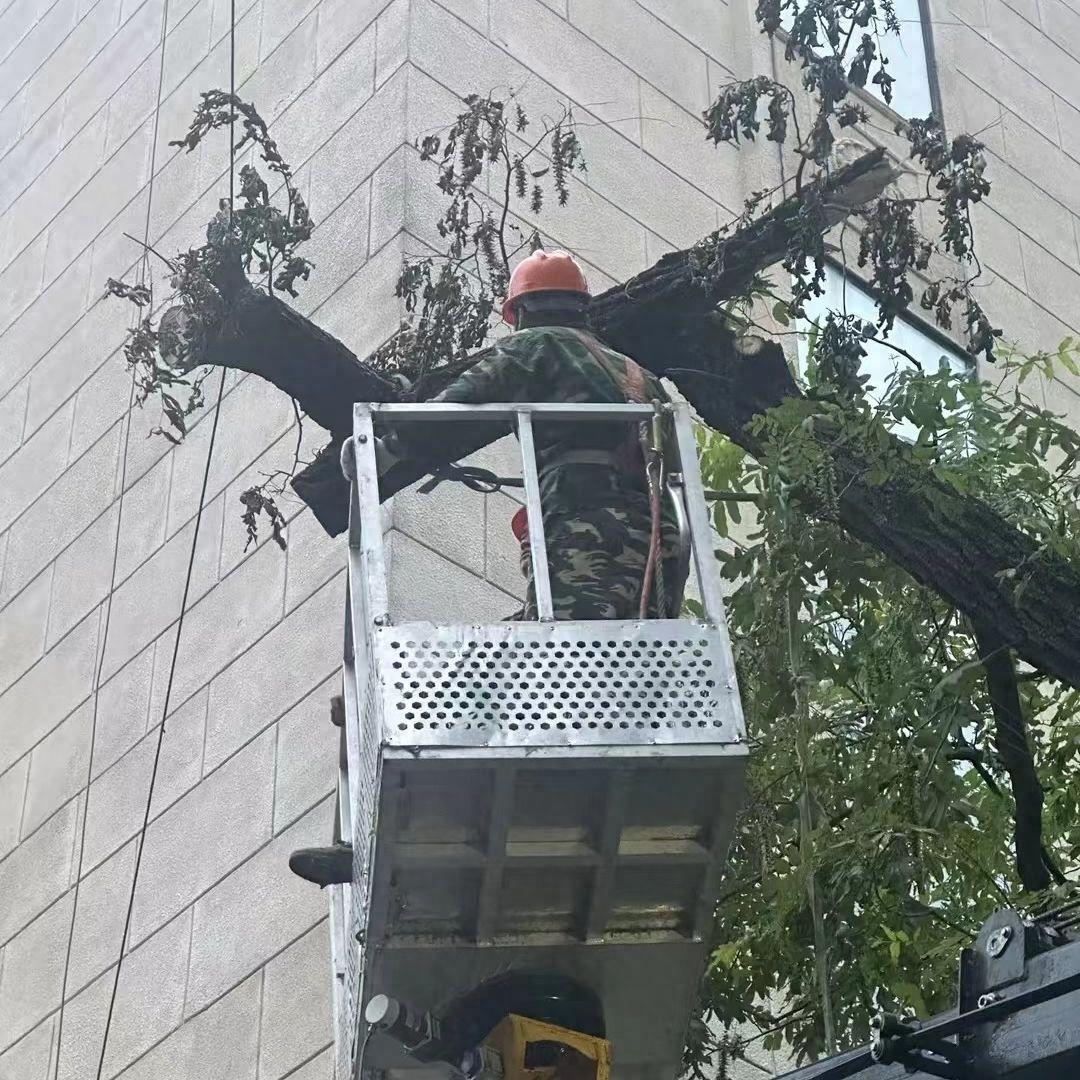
(590, 691)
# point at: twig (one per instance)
(299, 434)
(781, 1022)
(730, 496)
(505, 208)
(896, 349)
(153, 251)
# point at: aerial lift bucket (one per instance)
(553, 796)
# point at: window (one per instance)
(908, 60)
(844, 294)
(908, 63)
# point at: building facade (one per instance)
(227, 970)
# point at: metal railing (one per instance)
(613, 700)
(366, 530)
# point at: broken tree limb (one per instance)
(954, 544)
(263, 335)
(266, 337)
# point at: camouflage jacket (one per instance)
(597, 516)
(545, 364)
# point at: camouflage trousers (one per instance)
(596, 561)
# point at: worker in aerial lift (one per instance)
(609, 543)
(593, 483)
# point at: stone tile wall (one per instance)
(227, 974)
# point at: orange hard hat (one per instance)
(543, 271)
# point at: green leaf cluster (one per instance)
(879, 825)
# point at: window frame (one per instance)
(932, 84)
(924, 326)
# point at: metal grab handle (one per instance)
(537, 545)
(684, 551)
(712, 597)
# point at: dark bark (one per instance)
(977, 759)
(954, 544)
(265, 336)
(1014, 753)
(322, 485)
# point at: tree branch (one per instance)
(664, 318)
(1014, 752)
(674, 287)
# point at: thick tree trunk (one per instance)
(1014, 753)
(954, 544)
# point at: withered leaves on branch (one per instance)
(837, 45)
(449, 297)
(254, 236)
(266, 235)
(490, 156)
(256, 501)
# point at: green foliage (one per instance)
(879, 831)
(866, 707)
(490, 158)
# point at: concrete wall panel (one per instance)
(228, 978)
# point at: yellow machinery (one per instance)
(517, 1048)
(532, 1050)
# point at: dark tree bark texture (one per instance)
(1014, 753)
(954, 544)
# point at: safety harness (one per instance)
(644, 451)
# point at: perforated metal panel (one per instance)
(559, 684)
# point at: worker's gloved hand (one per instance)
(385, 457)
